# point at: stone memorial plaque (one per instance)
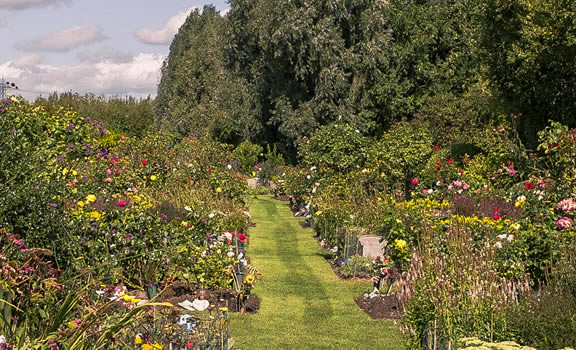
(370, 246)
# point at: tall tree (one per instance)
(531, 53)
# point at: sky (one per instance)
(110, 47)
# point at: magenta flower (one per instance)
(121, 204)
(415, 182)
(564, 223)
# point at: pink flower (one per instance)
(511, 171)
(564, 223)
(466, 186)
(496, 217)
(384, 271)
(415, 182)
(461, 171)
(109, 171)
(121, 203)
(458, 184)
(566, 205)
(425, 191)
(117, 171)
(108, 180)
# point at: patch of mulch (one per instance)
(380, 307)
(304, 224)
(282, 197)
(178, 292)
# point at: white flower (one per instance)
(430, 191)
(334, 250)
(308, 177)
(228, 235)
(188, 208)
(229, 166)
(3, 340)
(230, 254)
(211, 215)
(510, 238)
(521, 198)
(438, 183)
(313, 168)
(100, 292)
(540, 197)
(502, 236)
(247, 214)
(498, 245)
(357, 131)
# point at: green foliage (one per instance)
(337, 147)
(128, 116)
(354, 265)
(529, 47)
(197, 95)
(400, 155)
(247, 155)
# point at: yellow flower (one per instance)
(95, 215)
(138, 340)
(80, 204)
(137, 198)
(90, 198)
(400, 244)
(218, 190)
(319, 212)
(224, 309)
(250, 279)
(153, 178)
(519, 203)
(152, 346)
(184, 224)
(65, 171)
(74, 172)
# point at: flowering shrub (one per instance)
(108, 209)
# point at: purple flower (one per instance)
(60, 159)
(129, 235)
(70, 127)
(54, 205)
(164, 218)
(36, 188)
(2, 110)
(12, 131)
(7, 102)
(203, 221)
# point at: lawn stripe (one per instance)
(304, 304)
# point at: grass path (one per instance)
(304, 305)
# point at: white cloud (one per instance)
(137, 77)
(63, 40)
(24, 4)
(165, 35)
(224, 12)
(29, 60)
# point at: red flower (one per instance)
(450, 160)
(209, 170)
(496, 217)
(144, 162)
(114, 160)
(242, 237)
(436, 147)
(529, 186)
(496, 210)
(189, 345)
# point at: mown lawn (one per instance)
(304, 305)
